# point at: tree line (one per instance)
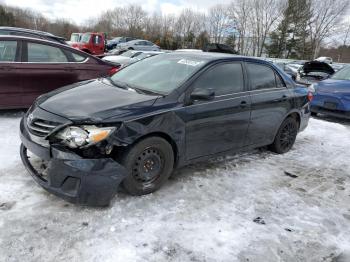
(294, 29)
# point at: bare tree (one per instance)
(239, 11)
(265, 14)
(326, 14)
(218, 19)
(134, 17)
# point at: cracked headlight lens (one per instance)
(79, 136)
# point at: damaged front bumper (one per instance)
(92, 182)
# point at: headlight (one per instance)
(74, 136)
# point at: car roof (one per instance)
(208, 57)
(137, 40)
(30, 31)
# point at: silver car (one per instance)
(130, 57)
(142, 45)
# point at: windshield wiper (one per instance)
(150, 92)
(127, 86)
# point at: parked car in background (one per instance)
(313, 71)
(325, 59)
(188, 50)
(290, 68)
(220, 48)
(74, 39)
(130, 57)
(142, 45)
(112, 44)
(338, 66)
(31, 33)
(332, 96)
(92, 43)
(30, 67)
(170, 110)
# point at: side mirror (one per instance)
(203, 94)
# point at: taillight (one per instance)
(310, 96)
(113, 70)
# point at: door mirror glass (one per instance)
(203, 94)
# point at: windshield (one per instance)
(159, 74)
(343, 74)
(85, 38)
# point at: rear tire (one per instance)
(285, 137)
(149, 164)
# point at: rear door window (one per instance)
(8, 51)
(39, 53)
(261, 76)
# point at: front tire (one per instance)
(149, 164)
(285, 136)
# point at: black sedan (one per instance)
(164, 112)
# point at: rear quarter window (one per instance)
(78, 58)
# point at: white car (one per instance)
(142, 45)
(130, 57)
(188, 50)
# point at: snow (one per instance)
(206, 212)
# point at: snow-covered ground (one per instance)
(255, 206)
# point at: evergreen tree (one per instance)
(290, 39)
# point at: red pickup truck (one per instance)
(92, 43)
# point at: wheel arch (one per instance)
(296, 116)
(166, 137)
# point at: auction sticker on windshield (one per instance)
(189, 62)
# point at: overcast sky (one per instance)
(80, 10)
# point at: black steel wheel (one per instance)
(286, 136)
(149, 164)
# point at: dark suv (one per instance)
(153, 116)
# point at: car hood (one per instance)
(94, 100)
(334, 86)
(316, 66)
